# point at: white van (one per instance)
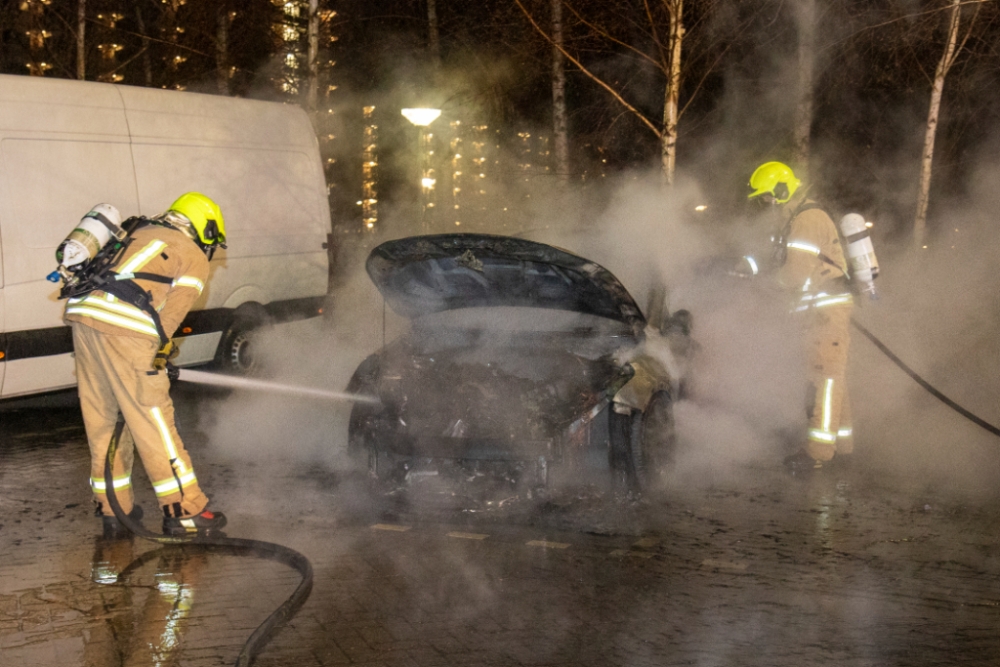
(67, 145)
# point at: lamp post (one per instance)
(422, 118)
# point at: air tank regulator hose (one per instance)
(231, 545)
(923, 383)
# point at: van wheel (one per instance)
(236, 353)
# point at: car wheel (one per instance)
(654, 445)
(384, 468)
(359, 433)
(237, 353)
(622, 428)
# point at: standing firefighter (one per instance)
(810, 265)
(123, 316)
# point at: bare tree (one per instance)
(147, 63)
(312, 58)
(806, 65)
(654, 37)
(223, 70)
(671, 97)
(560, 126)
(953, 46)
(433, 35)
(81, 46)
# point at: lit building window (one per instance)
(108, 51)
(38, 69)
(36, 38)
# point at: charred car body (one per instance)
(519, 355)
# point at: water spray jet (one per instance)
(233, 382)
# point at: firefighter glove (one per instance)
(165, 355)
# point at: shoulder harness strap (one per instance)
(99, 276)
(129, 291)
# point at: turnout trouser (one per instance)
(828, 408)
(115, 374)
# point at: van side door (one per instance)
(64, 147)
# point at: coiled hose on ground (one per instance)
(257, 548)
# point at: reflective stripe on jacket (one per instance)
(815, 269)
(156, 250)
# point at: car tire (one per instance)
(622, 428)
(654, 441)
(384, 468)
(236, 354)
(359, 434)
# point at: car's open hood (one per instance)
(428, 274)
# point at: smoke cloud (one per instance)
(746, 406)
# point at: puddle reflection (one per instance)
(155, 603)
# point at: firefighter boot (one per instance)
(206, 523)
(113, 528)
(801, 463)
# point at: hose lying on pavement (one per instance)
(923, 383)
(268, 550)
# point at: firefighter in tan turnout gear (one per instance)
(121, 338)
(811, 266)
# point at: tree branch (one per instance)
(664, 63)
(611, 38)
(596, 79)
(701, 81)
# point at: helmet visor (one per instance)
(212, 235)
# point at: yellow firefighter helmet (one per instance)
(775, 179)
(205, 216)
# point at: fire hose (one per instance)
(923, 383)
(237, 546)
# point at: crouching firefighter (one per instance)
(128, 286)
(809, 263)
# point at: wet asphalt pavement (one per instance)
(850, 567)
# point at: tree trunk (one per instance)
(222, 49)
(147, 63)
(802, 124)
(81, 29)
(559, 124)
(433, 39)
(312, 60)
(947, 58)
(668, 138)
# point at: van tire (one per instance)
(236, 349)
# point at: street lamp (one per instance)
(422, 118)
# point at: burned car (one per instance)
(520, 357)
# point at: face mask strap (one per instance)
(781, 192)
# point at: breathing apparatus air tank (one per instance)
(860, 253)
(94, 231)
